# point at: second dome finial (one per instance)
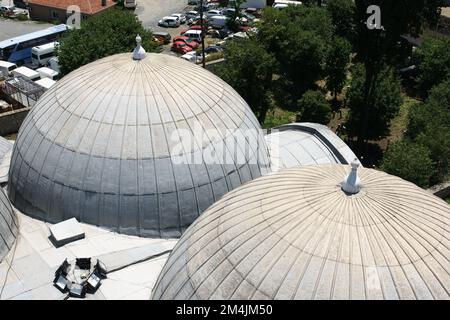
(139, 52)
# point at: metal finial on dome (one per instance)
(139, 52)
(351, 183)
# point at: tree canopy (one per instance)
(314, 108)
(337, 60)
(429, 125)
(249, 68)
(111, 32)
(434, 56)
(386, 101)
(410, 161)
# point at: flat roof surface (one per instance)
(28, 269)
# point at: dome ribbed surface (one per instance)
(8, 225)
(296, 235)
(101, 146)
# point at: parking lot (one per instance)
(13, 28)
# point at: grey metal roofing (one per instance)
(302, 144)
(295, 234)
(99, 146)
(8, 225)
(5, 148)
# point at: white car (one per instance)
(130, 4)
(5, 9)
(180, 17)
(193, 57)
(191, 14)
(169, 22)
(212, 13)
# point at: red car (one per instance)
(191, 43)
(181, 47)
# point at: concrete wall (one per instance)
(11, 121)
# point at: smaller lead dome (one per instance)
(8, 225)
(297, 235)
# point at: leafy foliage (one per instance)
(337, 59)
(249, 68)
(434, 65)
(298, 36)
(409, 161)
(386, 100)
(109, 33)
(342, 13)
(314, 108)
(429, 125)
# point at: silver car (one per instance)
(169, 22)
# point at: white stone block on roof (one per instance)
(66, 231)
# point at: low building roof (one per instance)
(86, 6)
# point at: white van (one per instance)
(53, 64)
(26, 73)
(281, 4)
(6, 68)
(193, 35)
(218, 22)
(41, 54)
(46, 83)
(45, 72)
(130, 4)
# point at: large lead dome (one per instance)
(103, 146)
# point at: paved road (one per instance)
(12, 28)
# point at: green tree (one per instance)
(377, 47)
(249, 68)
(298, 37)
(434, 65)
(314, 108)
(409, 161)
(301, 62)
(337, 60)
(342, 13)
(429, 125)
(386, 101)
(106, 34)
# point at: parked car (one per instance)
(213, 49)
(130, 4)
(225, 32)
(193, 56)
(181, 47)
(193, 44)
(193, 2)
(169, 22)
(211, 13)
(191, 14)
(229, 12)
(10, 11)
(180, 16)
(7, 9)
(163, 37)
(194, 35)
(218, 21)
